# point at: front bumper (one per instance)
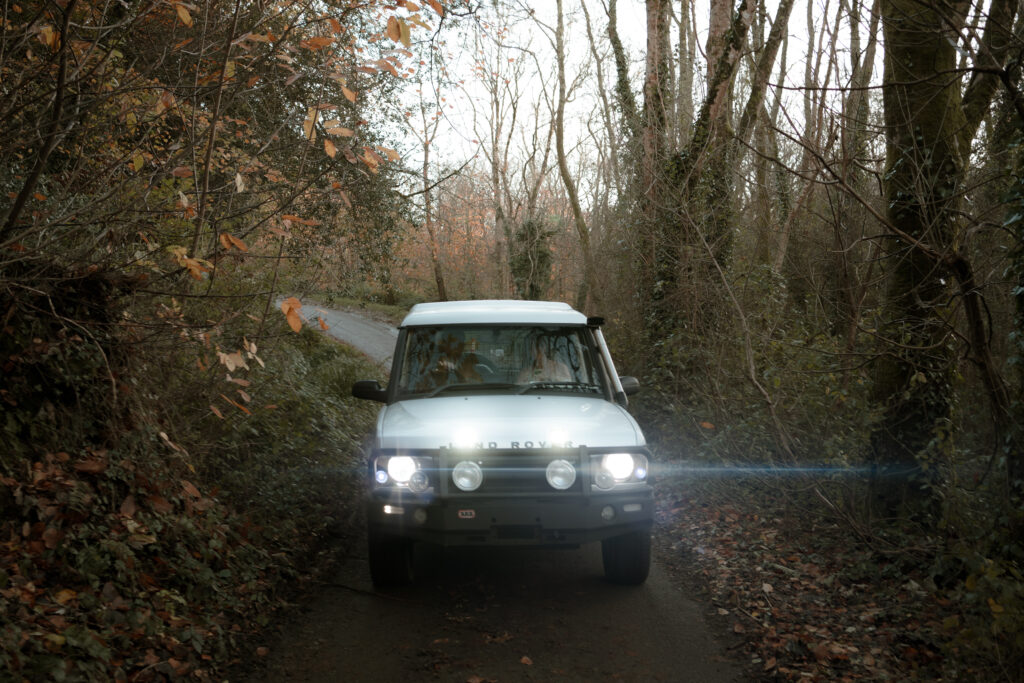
(469, 520)
(516, 512)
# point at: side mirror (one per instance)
(630, 385)
(369, 389)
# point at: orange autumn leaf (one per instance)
(183, 14)
(391, 154)
(437, 7)
(323, 323)
(317, 42)
(237, 243)
(237, 405)
(707, 425)
(394, 30)
(290, 307)
(329, 147)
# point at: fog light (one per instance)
(561, 474)
(381, 476)
(419, 516)
(393, 509)
(607, 513)
(467, 475)
(632, 507)
(419, 481)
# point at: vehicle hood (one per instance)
(531, 421)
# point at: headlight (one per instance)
(619, 465)
(618, 468)
(404, 471)
(401, 468)
(467, 475)
(561, 474)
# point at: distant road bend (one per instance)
(374, 338)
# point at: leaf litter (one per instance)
(804, 598)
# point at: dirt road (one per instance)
(493, 615)
(374, 338)
(506, 615)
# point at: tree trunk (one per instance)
(588, 291)
(928, 132)
(428, 222)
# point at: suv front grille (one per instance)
(514, 472)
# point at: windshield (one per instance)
(498, 358)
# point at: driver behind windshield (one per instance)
(545, 366)
(442, 360)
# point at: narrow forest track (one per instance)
(475, 614)
(504, 614)
(375, 338)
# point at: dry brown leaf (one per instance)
(160, 504)
(183, 14)
(394, 31)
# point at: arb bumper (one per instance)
(509, 520)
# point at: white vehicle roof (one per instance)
(493, 311)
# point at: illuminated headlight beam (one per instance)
(690, 469)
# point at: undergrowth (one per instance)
(157, 506)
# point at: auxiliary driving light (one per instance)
(561, 474)
(467, 475)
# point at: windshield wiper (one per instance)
(585, 388)
(484, 386)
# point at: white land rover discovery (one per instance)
(505, 424)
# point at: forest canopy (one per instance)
(803, 222)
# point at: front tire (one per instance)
(390, 560)
(627, 558)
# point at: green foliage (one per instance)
(818, 398)
(143, 535)
(295, 456)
